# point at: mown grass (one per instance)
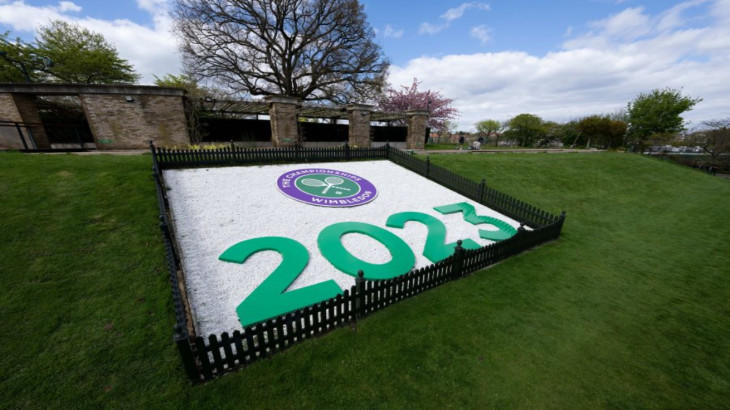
(442, 146)
(628, 309)
(486, 146)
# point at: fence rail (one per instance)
(205, 358)
(233, 155)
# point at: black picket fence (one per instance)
(205, 358)
(233, 155)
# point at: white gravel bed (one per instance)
(216, 208)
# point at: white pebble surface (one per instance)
(215, 208)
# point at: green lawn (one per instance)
(443, 146)
(629, 309)
(485, 146)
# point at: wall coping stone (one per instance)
(359, 107)
(70, 89)
(282, 99)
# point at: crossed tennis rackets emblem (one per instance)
(328, 183)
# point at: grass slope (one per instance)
(628, 309)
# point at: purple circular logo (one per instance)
(326, 187)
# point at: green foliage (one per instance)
(65, 52)
(628, 309)
(605, 131)
(617, 133)
(657, 116)
(526, 129)
(602, 131)
(17, 61)
(82, 56)
(552, 131)
(570, 133)
(487, 127)
(187, 83)
(594, 127)
(490, 128)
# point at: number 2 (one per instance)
(270, 298)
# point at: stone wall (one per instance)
(8, 133)
(21, 108)
(359, 127)
(283, 113)
(416, 130)
(119, 116)
(8, 110)
(129, 116)
(120, 124)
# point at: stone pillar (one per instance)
(359, 129)
(416, 138)
(9, 137)
(22, 108)
(8, 109)
(130, 121)
(283, 113)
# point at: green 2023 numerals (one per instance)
(271, 299)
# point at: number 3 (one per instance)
(435, 249)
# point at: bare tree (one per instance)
(713, 137)
(318, 50)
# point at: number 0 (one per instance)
(330, 244)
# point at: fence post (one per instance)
(186, 353)
(428, 165)
(561, 220)
(387, 150)
(166, 230)
(347, 151)
(359, 295)
(298, 152)
(155, 166)
(458, 265)
(482, 187)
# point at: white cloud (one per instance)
(151, 50)
(391, 32)
(458, 12)
(481, 33)
(673, 17)
(451, 15)
(68, 6)
(428, 28)
(629, 24)
(597, 72)
(633, 24)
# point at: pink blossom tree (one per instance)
(412, 99)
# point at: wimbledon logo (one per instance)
(326, 187)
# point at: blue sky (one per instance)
(535, 27)
(559, 59)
